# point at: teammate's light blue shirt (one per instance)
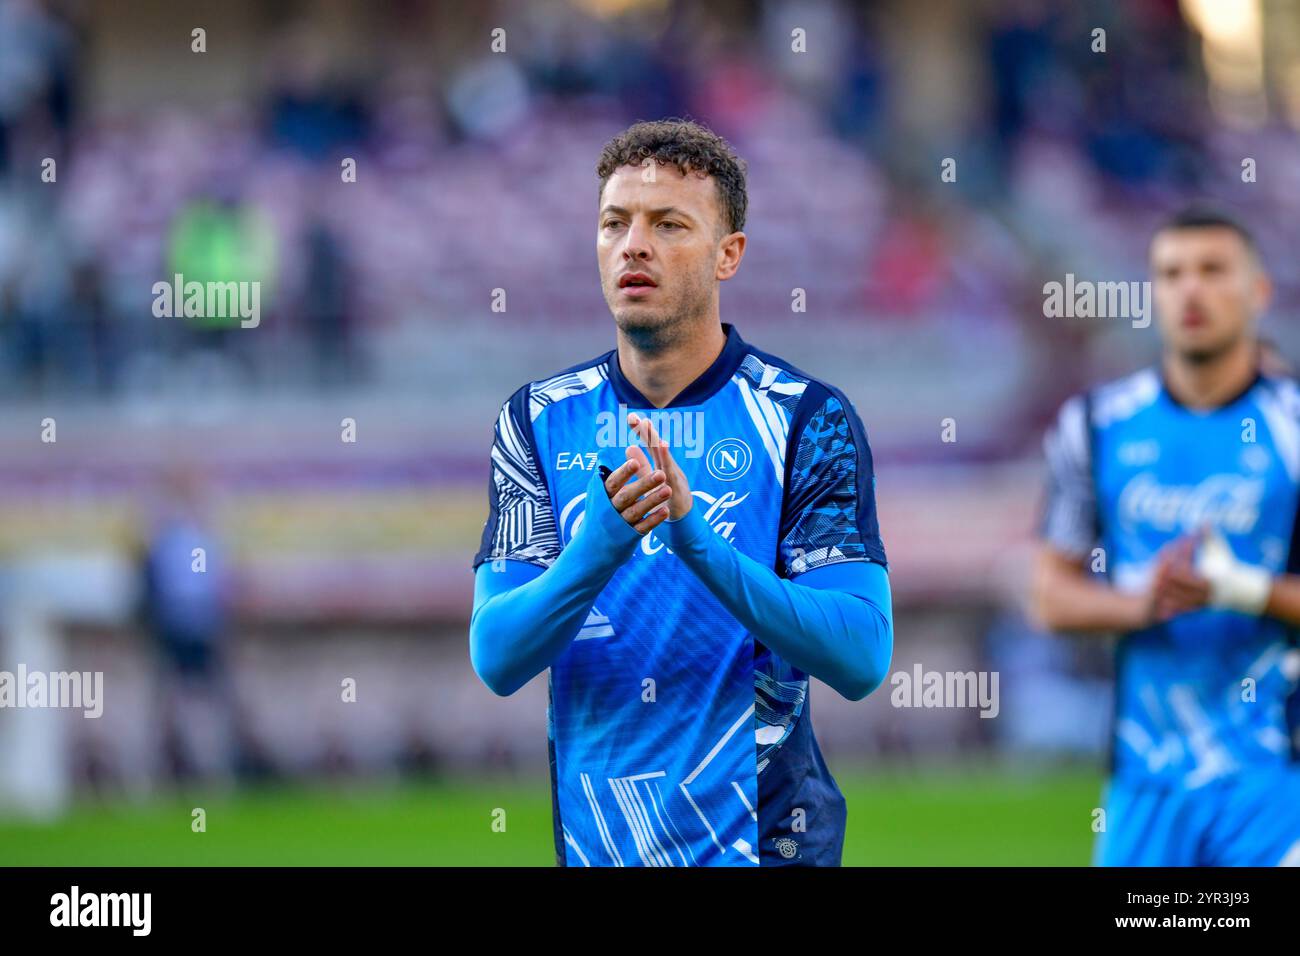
(676, 738)
(1205, 695)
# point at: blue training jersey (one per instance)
(676, 738)
(1206, 694)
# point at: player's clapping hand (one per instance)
(1176, 587)
(639, 500)
(680, 503)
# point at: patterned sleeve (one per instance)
(1069, 519)
(521, 521)
(829, 511)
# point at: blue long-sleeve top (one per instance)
(835, 622)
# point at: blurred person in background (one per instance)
(325, 307)
(38, 80)
(221, 237)
(185, 606)
(1171, 518)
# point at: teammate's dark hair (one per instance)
(688, 146)
(1200, 216)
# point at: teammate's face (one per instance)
(668, 228)
(1208, 289)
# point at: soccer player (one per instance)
(681, 603)
(1180, 481)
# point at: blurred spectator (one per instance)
(186, 610)
(309, 112)
(37, 85)
(472, 166)
(326, 308)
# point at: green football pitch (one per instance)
(898, 818)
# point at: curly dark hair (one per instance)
(688, 146)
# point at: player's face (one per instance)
(1208, 289)
(664, 226)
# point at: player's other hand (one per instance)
(640, 500)
(1234, 585)
(1176, 587)
(679, 505)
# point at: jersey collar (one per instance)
(1170, 397)
(700, 390)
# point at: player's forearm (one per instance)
(517, 632)
(1284, 599)
(515, 635)
(843, 639)
(1065, 600)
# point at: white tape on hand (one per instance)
(1234, 585)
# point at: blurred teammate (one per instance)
(1185, 478)
(681, 605)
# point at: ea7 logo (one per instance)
(1138, 454)
(568, 460)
